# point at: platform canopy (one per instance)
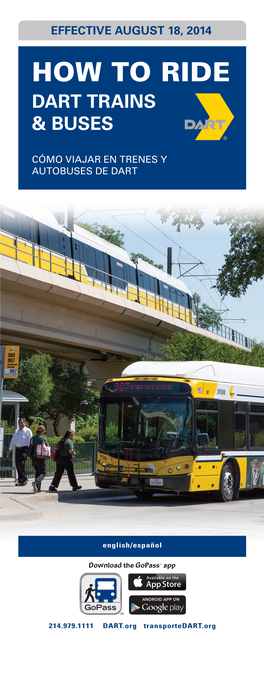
(10, 397)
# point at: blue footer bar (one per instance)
(132, 546)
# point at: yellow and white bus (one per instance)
(182, 427)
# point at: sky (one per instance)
(138, 220)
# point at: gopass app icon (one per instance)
(100, 594)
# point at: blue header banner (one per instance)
(132, 117)
(132, 546)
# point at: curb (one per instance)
(56, 497)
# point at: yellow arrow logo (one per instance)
(230, 392)
(219, 120)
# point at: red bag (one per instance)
(55, 452)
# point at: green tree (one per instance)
(182, 216)
(134, 256)
(70, 387)
(207, 317)
(244, 263)
(185, 347)
(34, 382)
(106, 233)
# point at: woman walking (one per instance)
(64, 462)
(39, 464)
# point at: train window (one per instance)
(173, 295)
(33, 231)
(165, 291)
(9, 221)
(179, 298)
(43, 235)
(185, 300)
(53, 240)
(23, 227)
(151, 283)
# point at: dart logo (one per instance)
(220, 117)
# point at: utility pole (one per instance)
(197, 300)
(70, 217)
(169, 260)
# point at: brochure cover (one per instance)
(131, 227)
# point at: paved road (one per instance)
(96, 511)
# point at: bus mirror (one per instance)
(203, 440)
(85, 404)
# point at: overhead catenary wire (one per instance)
(142, 213)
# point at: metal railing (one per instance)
(77, 270)
(84, 461)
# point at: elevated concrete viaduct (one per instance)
(86, 325)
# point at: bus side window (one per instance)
(207, 421)
(240, 430)
(256, 426)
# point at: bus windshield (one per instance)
(157, 423)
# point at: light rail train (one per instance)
(87, 258)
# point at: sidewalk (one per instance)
(21, 503)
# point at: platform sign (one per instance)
(11, 361)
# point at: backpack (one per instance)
(55, 452)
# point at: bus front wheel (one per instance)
(227, 483)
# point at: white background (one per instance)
(33, 592)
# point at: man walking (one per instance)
(21, 440)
